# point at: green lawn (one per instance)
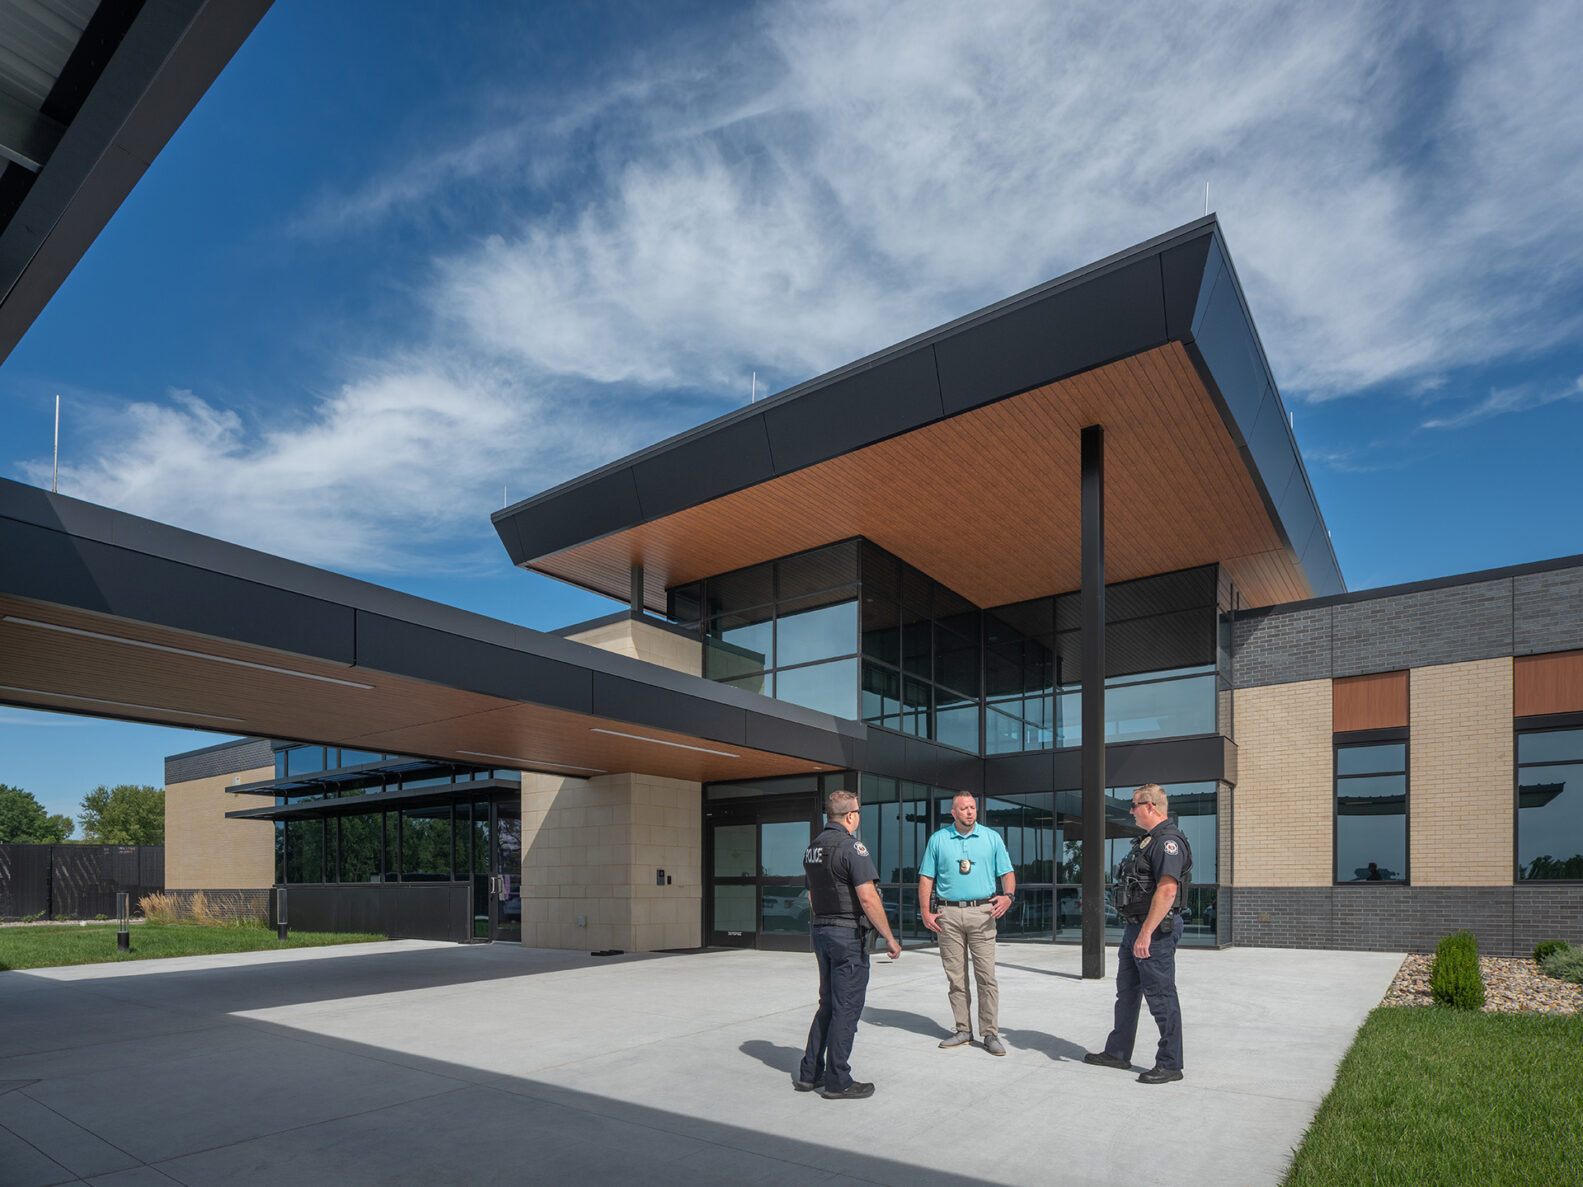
(1439, 1096)
(48, 947)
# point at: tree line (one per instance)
(128, 814)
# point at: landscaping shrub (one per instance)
(1565, 964)
(1545, 947)
(1454, 979)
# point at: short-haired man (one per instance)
(845, 905)
(1149, 885)
(961, 865)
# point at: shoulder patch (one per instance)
(1170, 846)
(860, 847)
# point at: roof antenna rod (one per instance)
(504, 501)
(1206, 197)
(754, 398)
(54, 482)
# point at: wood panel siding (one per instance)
(1374, 702)
(1547, 683)
(987, 501)
(78, 674)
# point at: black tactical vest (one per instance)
(1135, 875)
(828, 894)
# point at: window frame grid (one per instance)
(1380, 737)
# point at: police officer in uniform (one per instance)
(1151, 883)
(846, 907)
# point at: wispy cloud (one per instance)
(811, 182)
(29, 720)
(1509, 399)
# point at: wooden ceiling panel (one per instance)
(988, 502)
(103, 671)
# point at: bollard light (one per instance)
(123, 936)
(282, 928)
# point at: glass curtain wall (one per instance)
(786, 629)
(1162, 651)
(898, 817)
(1043, 832)
(1550, 805)
(435, 843)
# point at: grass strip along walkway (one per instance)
(50, 947)
(1446, 1097)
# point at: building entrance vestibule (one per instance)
(758, 895)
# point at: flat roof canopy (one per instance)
(103, 613)
(959, 452)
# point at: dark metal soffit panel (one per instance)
(141, 79)
(67, 554)
(1178, 287)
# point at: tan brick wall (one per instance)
(590, 848)
(1284, 797)
(204, 850)
(647, 643)
(1459, 790)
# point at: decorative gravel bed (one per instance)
(1511, 986)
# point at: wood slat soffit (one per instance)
(987, 501)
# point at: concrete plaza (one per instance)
(414, 1062)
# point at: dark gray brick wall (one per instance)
(1524, 614)
(1282, 647)
(1507, 920)
(1547, 611)
(225, 759)
(1439, 626)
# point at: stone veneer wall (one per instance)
(1459, 788)
(646, 642)
(1282, 830)
(590, 849)
(204, 850)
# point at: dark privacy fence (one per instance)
(76, 881)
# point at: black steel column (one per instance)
(1093, 701)
(637, 589)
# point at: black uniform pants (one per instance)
(1154, 980)
(843, 986)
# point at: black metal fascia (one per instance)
(61, 551)
(169, 56)
(1179, 286)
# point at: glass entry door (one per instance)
(758, 895)
(497, 870)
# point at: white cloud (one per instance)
(1508, 399)
(790, 190)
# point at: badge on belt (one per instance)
(965, 866)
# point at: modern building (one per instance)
(876, 580)
(1045, 553)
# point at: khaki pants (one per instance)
(964, 932)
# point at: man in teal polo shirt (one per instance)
(961, 865)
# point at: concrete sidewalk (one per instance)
(429, 1063)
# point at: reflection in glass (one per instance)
(782, 845)
(829, 688)
(392, 846)
(803, 636)
(1367, 760)
(956, 720)
(304, 760)
(305, 851)
(1550, 746)
(1029, 916)
(881, 629)
(1371, 828)
(1550, 821)
(785, 910)
(426, 844)
(361, 838)
(740, 643)
(735, 850)
(736, 908)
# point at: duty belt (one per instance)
(837, 921)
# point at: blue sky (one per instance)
(405, 258)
